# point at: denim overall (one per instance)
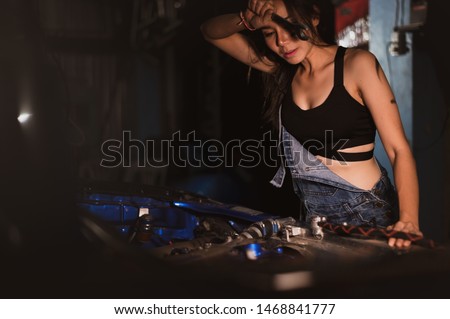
(326, 194)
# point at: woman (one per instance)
(327, 102)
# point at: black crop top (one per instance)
(339, 122)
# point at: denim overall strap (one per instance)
(278, 179)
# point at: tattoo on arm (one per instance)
(377, 67)
(393, 101)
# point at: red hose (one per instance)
(372, 232)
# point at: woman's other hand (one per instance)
(406, 227)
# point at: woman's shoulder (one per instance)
(360, 60)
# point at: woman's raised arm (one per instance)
(224, 32)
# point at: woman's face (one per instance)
(281, 41)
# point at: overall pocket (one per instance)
(374, 211)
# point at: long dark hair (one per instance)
(276, 84)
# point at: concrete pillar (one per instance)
(398, 69)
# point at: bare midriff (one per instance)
(361, 174)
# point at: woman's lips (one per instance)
(289, 54)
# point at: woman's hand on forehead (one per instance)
(259, 12)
